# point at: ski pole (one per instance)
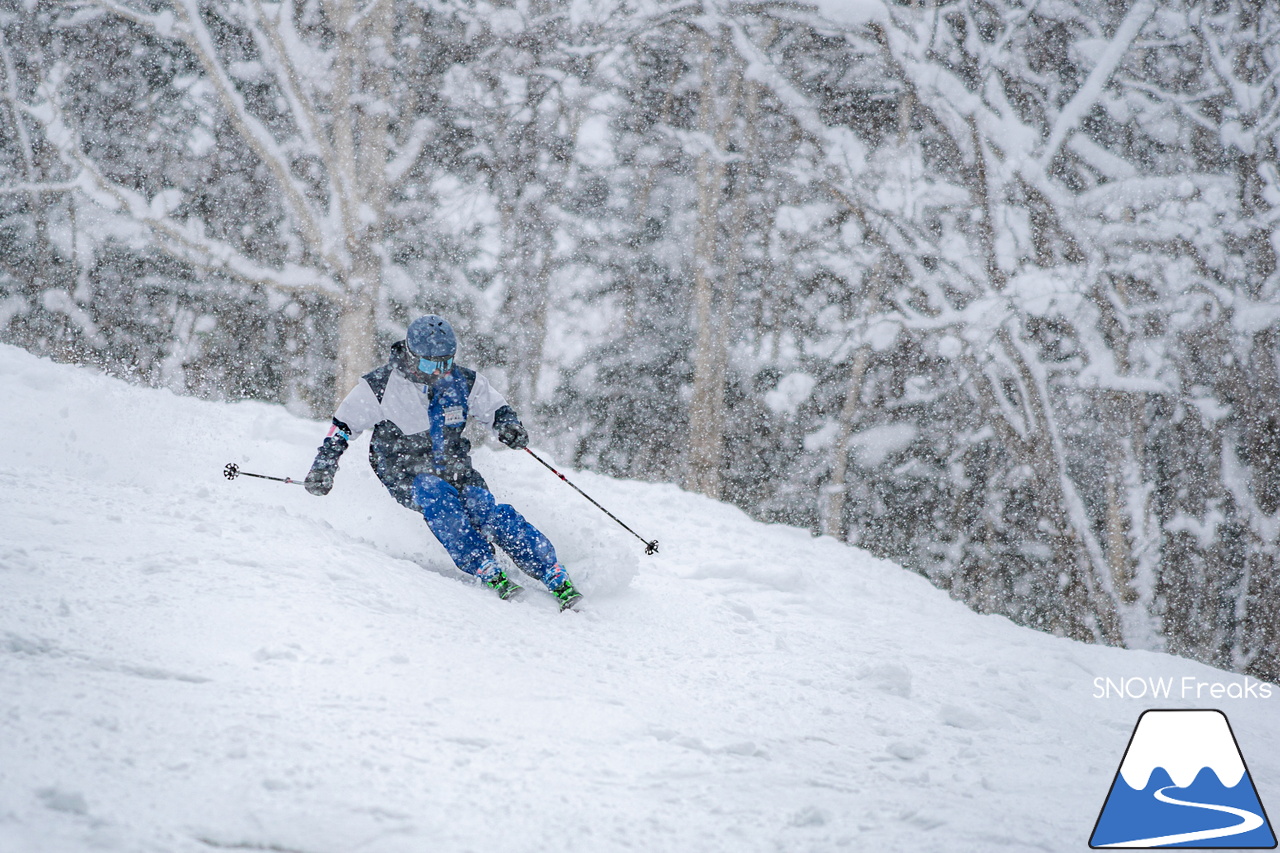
(233, 470)
(649, 547)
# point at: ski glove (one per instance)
(320, 478)
(513, 435)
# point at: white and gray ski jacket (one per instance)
(417, 426)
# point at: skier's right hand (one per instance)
(319, 480)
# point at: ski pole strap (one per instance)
(649, 547)
(233, 470)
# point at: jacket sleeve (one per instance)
(488, 406)
(360, 410)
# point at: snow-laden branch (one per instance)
(1248, 100)
(1182, 103)
(183, 240)
(1037, 388)
(404, 159)
(1244, 97)
(957, 112)
(260, 139)
(162, 24)
(61, 302)
(1018, 159)
(1007, 421)
(840, 147)
(30, 187)
(279, 49)
(1109, 165)
(187, 242)
(15, 107)
(934, 88)
(189, 26)
(357, 18)
(1091, 90)
(843, 151)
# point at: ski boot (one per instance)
(496, 579)
(568, 595)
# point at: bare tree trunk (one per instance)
(1117, 516)
(526, 270)
(357, 329)
(1029, 432)
(1144, 535)
(527, 263)
(706, 409)
(1251, 475)
(536, 331)
(835, 492)
(361, 86)
(527, 184)
(980, 186)
(42, 251)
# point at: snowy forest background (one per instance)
(987, 287)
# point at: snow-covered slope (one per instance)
(192, 664)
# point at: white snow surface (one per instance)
(192, 664)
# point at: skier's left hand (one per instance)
(319, 480)
(514, 435)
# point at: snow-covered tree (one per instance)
(310, 90)
(527, 111)
(1043, 155)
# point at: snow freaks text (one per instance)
(1186, 687)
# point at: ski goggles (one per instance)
(435, 365)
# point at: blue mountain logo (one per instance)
(1183, 783)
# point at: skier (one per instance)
(417, 405)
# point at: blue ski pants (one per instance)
(467, 519)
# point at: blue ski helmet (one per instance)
(431, 337)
